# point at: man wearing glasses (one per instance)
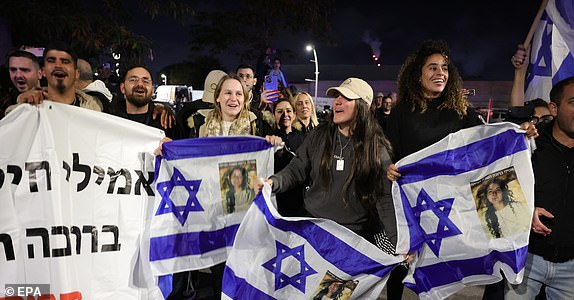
(137, 88)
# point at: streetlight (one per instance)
(316, 61)
(164, 78)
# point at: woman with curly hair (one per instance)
(430, 103)
(503, 215)
(430, 106)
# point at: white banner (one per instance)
(73, 198)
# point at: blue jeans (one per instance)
(558, 277)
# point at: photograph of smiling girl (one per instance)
(500, 204)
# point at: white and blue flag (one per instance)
(464, 205)
(552, 55)
(204, 188)
(276, 257)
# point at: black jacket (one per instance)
(119, 109)
(554, 191)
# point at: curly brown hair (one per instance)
(409, 84)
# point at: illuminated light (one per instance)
(378, 65)
(309, 48)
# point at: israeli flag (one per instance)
(204, 188)
(301, 258)
(552, 55)
(464, 205)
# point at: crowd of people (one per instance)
(341, 166)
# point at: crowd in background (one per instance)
(336, 163)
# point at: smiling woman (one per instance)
(430, 102)
(430, 106)
(231, 115)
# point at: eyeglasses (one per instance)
(542, 119)
(144, 80)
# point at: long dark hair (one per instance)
(411, 89)
(490, 213)
(367, 169)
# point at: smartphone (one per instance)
(471, 92)
(271, 82)
(271, 85)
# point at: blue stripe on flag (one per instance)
(212, 146)
(565, 70)
(239, 288)
(466, 158)
(566, 10)
(324, 242)
(455, 270)
(191, 243)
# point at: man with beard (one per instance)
(60, 70)
(25, 74)
(137, 87)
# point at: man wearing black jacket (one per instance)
(550, 259)
(137, 87)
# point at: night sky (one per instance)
(483, 34)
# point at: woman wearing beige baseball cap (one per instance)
(344, 162)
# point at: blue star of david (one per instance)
(542, 65)
(282, 280)
(167, 206)
(441, 209)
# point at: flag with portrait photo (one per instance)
(204, 188)
(464, 205)
(552, 55)
(276, 257)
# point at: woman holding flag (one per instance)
(430, 106)
(344, 161)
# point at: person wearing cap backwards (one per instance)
(344, 161)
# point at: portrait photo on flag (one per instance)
(464, 206)
(276, 257)
(204, 188)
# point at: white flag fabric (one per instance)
(276, 257)
(552, 55)
(464, 205)
(73, 194)
(204, 188)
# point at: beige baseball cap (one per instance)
(353, 88)
(210, 85)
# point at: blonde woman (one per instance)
(231, 115)
(305, 111)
